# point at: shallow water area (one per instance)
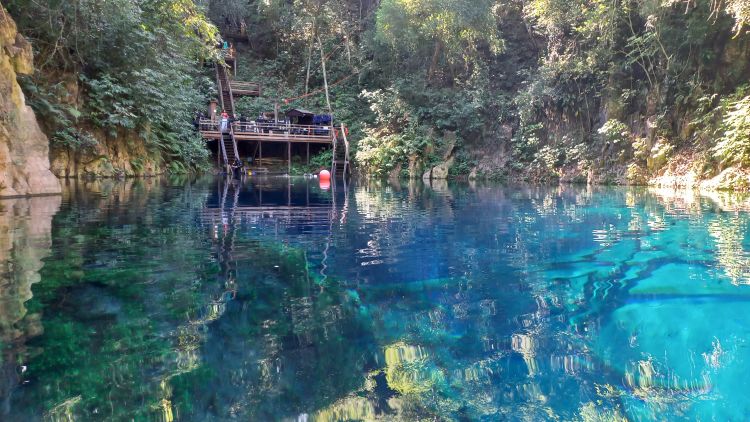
(275, 299)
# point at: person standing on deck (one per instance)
(233, 118)
(224, 122)
(201, 117)
(237, 168)
(197, 120)
(243, 123)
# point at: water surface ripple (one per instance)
(273, 299)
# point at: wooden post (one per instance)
(289, 154)
(260, 153)
(276, 112)
(308, 153)
(346, 150)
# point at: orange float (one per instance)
(325, 179)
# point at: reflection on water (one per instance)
(274, 299)
(25, 237)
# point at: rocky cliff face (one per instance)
(24, 161)
(123, 155)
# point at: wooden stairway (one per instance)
(227, 101)
(340, 166)
(229, 147)
(228, 142)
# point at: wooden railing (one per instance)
(245, 88)
(231, 98)
(256, 127)
(227, 53)
(282, 132)
(211, 129)
(208, 125)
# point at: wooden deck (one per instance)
(251, 131)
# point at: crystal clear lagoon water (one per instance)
(274, 299)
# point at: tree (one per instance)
(131, 61)
(457, 31)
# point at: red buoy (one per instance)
(325, 175)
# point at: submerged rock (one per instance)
(93, 301)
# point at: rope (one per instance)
(318, 91)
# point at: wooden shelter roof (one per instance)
(298, 112)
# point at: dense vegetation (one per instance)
(119, 67)
(537, 89)
(532, 88)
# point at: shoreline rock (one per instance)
(24, 148)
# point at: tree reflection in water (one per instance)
(275, 300)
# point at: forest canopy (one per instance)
(538, 85)
(131, 62)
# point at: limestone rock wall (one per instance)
(123, 155)
(24, 149)
(442, 170)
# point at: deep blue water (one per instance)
(273, 299)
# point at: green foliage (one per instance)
(377, 85)
(724, 124)
(453, 29)
(463, 163)
(739, 10)
(733, 147)
(138, 73)
(378, 154)
(525, 143)
(659, 155)
(318, 161)
(614, 132)
(402, 72)
(324, 159)
(391, 111)
(397, 135)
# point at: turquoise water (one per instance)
(276, 300)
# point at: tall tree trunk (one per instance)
(348, 50)
(325, 75)
(434, 62)
(309, 56)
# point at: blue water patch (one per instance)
(274, 299)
